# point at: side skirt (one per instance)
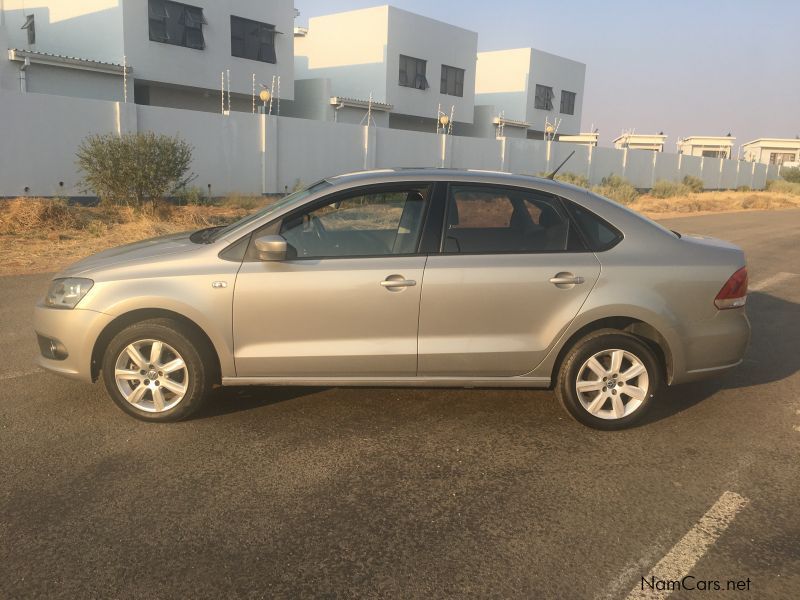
(444, 382)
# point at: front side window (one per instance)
(176, 23)
(543, 99)
(412, 72)
(253, 40)
(567, 102)
(494, 220)
(452, 81)
(369, 223)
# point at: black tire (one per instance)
(573, 363)
(197, 378)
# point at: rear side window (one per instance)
(493, 220)
(599, 234)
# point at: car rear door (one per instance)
(345, 303)
(511, 275)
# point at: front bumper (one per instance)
(72, 332)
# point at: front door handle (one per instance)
(397, 281)
(566, 279)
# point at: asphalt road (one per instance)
(409, 493)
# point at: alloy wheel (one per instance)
(151, 375)
(612, 384)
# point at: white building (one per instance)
(773, 151)
(532, 87)
(409, 64)
(582, 139)
(640, 141)
(176, 51)
(700, 145)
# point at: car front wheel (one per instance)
(608, 380)
(156, 370)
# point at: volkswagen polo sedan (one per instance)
(423, 277)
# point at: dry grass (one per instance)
(45, 235)
(40, 235)
(706, 202)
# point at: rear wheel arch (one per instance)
(188, 326)
(642, 330)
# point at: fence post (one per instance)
(503, 155)
(653, 170)
(269, 154)
(370, 147)
(446, 142)
(589, 164)
(624, 162)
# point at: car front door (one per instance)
(512, 273)
(345, 301)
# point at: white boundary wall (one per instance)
(253, 154)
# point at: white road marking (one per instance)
(684, 555)
(15, 374)
(772, 280)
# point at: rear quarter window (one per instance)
(599, 234)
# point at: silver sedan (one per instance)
(424, 277)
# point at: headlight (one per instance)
(66, 293)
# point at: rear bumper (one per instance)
(74, 333)
(715, 346)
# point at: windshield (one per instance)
(283, 202)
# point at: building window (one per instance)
(452, 81)
(177, 24)
(412, 72)
(567, 102)
(778, 158)
(253, 40)
(544, 97)
(30, 26)
(714, 153)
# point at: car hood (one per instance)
(157, 247)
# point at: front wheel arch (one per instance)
(135, 316)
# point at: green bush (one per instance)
(743, 188)
(791, 174)
(695, 184)
(669, 189)
(134, 169)
(616, 188)
(574, 179)
(785, 187)
(192, 195)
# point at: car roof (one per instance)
(436, 174)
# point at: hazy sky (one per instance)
(685, 67)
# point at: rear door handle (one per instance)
(566, 279)
(393, 283)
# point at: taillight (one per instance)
(734, 293)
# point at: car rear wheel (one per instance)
(608, 380)
(156, 370)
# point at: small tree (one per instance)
(135, 169)
(791, 174)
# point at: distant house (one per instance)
(175, 52)
(529, 89)
(582, 139)
(773, 151)
(715, 147)
(640, 141)
(411, 66)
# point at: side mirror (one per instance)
(271, 247)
